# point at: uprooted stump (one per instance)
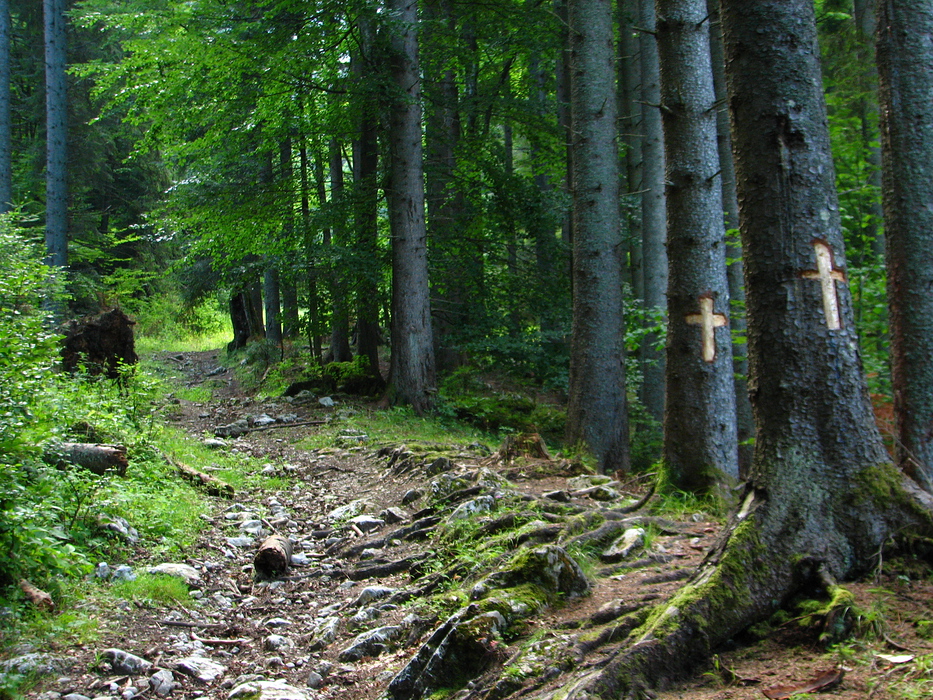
(100, 343)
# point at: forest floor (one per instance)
(279, 629)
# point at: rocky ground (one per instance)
(439, 570)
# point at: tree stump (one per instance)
(273, 557)
(100, 343)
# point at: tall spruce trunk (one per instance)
(287, 287)
(745, 421)
(335, 235)
(313, 326)
(822, 496)
(596, 412)
(700, 449)
(412, 377)
(629, 79)
(653, 211)
(56, 135)
(905, 63)
(6, 125)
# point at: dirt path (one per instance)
(398, 570)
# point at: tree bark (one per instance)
(905, 63)
(822, 497)
(289, 292)
(596, 413)
(700, 449)
(96, 458)
(745, 421)
(6, 133)
(270, 292)
(653, 211)
(629, 69)
(340, 313)
(412, 378)
(56, 134)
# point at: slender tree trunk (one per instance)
(6, 134)
(905, 63)
(700, 449)
(629, 69)
(412, 377)
(562, 77)
(56, 134)
(290, 321)
(254, 310)
(653, 213)
(596, 413)
(822, 498)
(311, 259)
(340, 311)
(745, 421)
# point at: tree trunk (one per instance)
(562, 78)
(289, 292)
(629, 68)
(745, 421)
(56, 134)
(6, 133)
(365, 166)
(905, 63)
(822, 498)
(596, 413)
(270, 291)
(653, 214)
(340, 311)
(313, 326)
(700, 447)
(412, 377)
(257, 329)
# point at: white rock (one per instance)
(200, 668)
(183, 571)
(267, 690)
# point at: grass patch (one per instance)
(152, 590)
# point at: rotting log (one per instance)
(36, 596)
(211, 484)
(96, 458)
(274, 556)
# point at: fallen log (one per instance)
(96, 458)
(36, 596)
(211, 484)
(273, 557)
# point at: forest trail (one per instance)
(408, 563)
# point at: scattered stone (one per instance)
(631, 539)
(367, 523)
(262, 419)
(183, 571)
(267, 690)
(75, 696)
(326, 402)
(315, 680)
(559, 496)
(124, 662)
(119, 527)
(371, 643)
(102, 571)
(362, 618)
(277, 622)
(214, 443)
(439, 465)
(36, 663)
(587, 480)
(411, 496)
(201, 669)
(232, 430)
(162, 683)
(276, 642)
(371, 593)
(394, 515)
(252, 527)
(482, 504)
(325, 634)
(123, 573)
(351, 510)
(240, 542)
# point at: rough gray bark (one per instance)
(629, 70)
(6, 144)
(653, 213)
(271, 297)
(289, 292)
(745, 421)
(822, 497)
(412, 378)
(562, 78)
(700, 447)
(905, 65)
(313, 327)
(56, 134)
(596, 412)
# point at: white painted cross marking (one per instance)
(826, 273)
(708, 322)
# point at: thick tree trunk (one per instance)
(365, 170)
(270, 292)
(745, 421)
(653, 212)
(700, 448)
(6, 133)
(56, 134)
(596, 413)
(822, 497)
(412, 377)
(905, 63)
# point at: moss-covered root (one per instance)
(739, 583)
